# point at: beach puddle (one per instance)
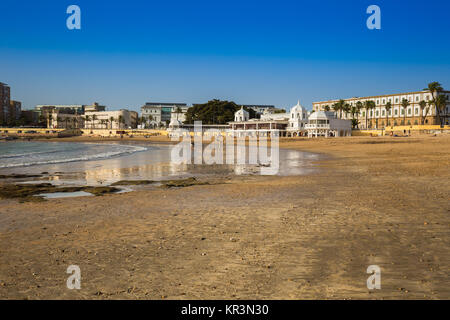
(57, 195)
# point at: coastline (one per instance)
(377, 201)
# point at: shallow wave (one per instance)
(98, 156)
(18, 155)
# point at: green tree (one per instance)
(214, 112)
(358, 106)
(121, 121)
(441, 104)
(49, 120)
(405, 104)
(87, 118)
(422, 105)
(338, 107)
(368, 105)
(178, 111)
(353, 111)
(434, 88)
(94, 118)
(388, 108)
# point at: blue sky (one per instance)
(251, 52)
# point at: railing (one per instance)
(317, 126)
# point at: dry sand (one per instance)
(377, 201)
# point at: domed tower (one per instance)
(297, 120)
(298, 112)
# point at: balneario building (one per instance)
(378, 112)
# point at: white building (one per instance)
(325, 124)
(297, 120)
(121, 119)
(241, 115)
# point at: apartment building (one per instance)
(157, 113)
(5, 97)
(15, 110)
(380, 117)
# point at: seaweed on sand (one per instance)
(132, 182)
(182, 183)
(31, 192)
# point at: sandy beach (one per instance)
(375, 201)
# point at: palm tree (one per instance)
(178, 111)
(336, 107)
(59, 120)
(346, 108)
(150, 119)
(430, 104)
(49, 119)
(372, 106)
(353, 111)
(111, 120)
(405, 104)
(368, 105)
(94, 118)
(441, 103)
(326, 108)
(87, 118)
(120, 121)
(434, 88)
(422, 105)
(341, 107)
(359, 106)
(388, 108)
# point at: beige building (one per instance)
(61, 120)
(379, 117)
(121, 119)
(95, 107)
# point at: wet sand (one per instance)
(382, 201)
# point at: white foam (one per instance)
(125, 149)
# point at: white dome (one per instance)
(297, 107)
